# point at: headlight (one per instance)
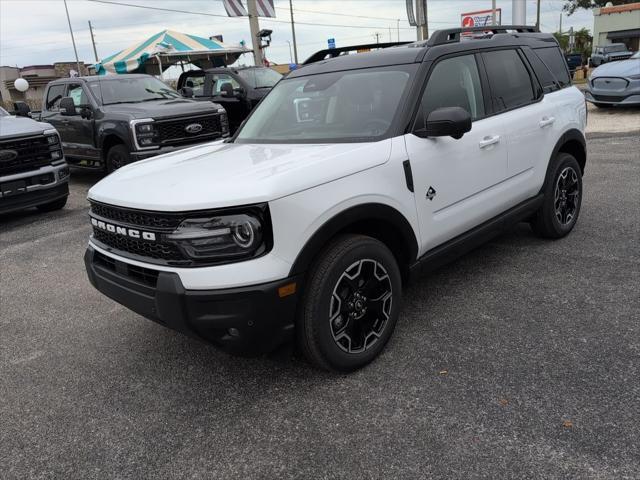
(145, 134)
(54, 146)
(221, 237)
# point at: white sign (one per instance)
(481, 18)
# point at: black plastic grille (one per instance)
(138, 218)
(32, 152)
(607, 98)
(155, 250)
(173, 131)
(143, 275)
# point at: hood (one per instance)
(228, 174)
(162, 108)
(19, 126)
(622, 68)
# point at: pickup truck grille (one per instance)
(174, 131)
(32, 152)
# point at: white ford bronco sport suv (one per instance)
(349, 174)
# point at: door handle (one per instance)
(546, 121)
(486, 141)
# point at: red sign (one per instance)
(481, 18)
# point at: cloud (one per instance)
(36, 31)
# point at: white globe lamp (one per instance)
(21, 84)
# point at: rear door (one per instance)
(529, 119)
(457, 182)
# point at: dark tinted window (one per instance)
(510, 82)
(454, 82)
(56, 92)
(556, 63)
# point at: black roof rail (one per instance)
(452, 35)
(335, 52)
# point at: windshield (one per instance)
(260, 77)
(348, 106)
(131, 90)
(3, 112)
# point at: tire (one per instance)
(55, 205)
(343, 325)
(562, 198)
(117, 156)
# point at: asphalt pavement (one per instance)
(520, 360)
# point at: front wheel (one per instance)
(55, 205)
(117, 156)
(562, 198)
(351, 305)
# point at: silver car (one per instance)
(615, 83)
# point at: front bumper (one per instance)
(37, 187)
(242, 320)
(624, 96)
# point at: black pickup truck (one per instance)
(109, 121)
(238, 90)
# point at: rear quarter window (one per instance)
(556, 63)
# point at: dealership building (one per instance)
(617, 24)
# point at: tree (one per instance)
(571, 6)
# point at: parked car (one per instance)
(352, 173)
(33, 172)
(109, 121)
(615, 83)
(574, 61)
(610, 53)
(238, 90)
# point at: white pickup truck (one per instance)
(33, 171)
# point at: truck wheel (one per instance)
(117, 156)
(562, 199)
(351, 305)
(55, 205)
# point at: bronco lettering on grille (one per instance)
(127, 232)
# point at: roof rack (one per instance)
(335, 52)
(452, 35)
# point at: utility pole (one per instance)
(493, 12)
(377, 37)
(560, 31)
(254, 27)
(398, 29)
(519, 12)
(424, 28)
(93, 42)
(73, 40)
(538, 15)
(293, 32)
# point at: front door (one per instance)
(79, 129)
(457, 182)
(236, 105)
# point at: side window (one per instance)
(196, 82)
(219, 80)
(77, 94)
(55, 94)
(555, 62)
(510, 82)
(454, 82)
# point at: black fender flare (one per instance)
(372, 214)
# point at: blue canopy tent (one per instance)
(167, 48)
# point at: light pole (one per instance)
(73, 40)
(290, 55)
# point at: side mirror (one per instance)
(86, 112)
(240, 93)
(446, 122)
(186, 92)
(67, 107)
(226, 90)
(21, 109)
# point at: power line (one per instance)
(190, 12)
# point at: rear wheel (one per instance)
(55, 205)
(351, 305)
(562, 198)
(117, 156)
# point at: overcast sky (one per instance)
(36, 31)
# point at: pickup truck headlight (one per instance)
(223, 237)
(55, 147)
(145, 134)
